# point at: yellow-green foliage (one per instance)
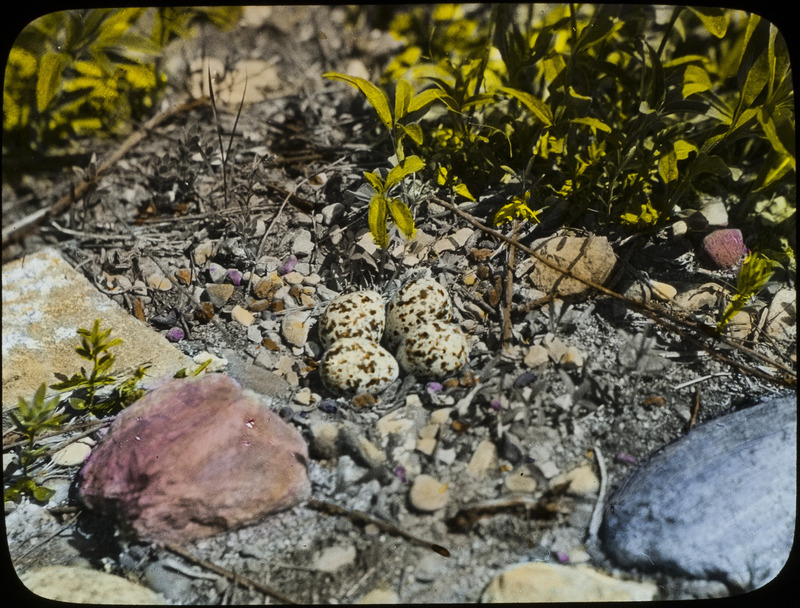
(592, 108)
(84, 72)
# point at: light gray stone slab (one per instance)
(45, 302)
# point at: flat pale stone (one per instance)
(333, 559)
(74, 453)
(536, 356)
(85, 586)
(428, 493)
(542, 582)
(483, 460)
(380, 595)
(663, 291)
(242, 316)
(45, 302)
(582, 481)
(426, 445)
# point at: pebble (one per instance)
(303, 244)
(782, 316)
(716, 213)
(426, 445)
(593, 261)
(193, 458)
(722, 249)
(542, 582)
(254, 334)
(203, 252)
(536, 356)
(77, 585)
(483, 460)
(242, 316)
(719, 503)
(265, 288)
(293, 278)
(572, 358)
(216, 273)
(521, 481)
(428, 494)
(333, 559)
(295, 328)
(583, 481)
(380, 595)
(73, 454)
(695, 299)
(184, 276)
(663, 291)
(175, 334)
(331, 213)
(219, 293)
(158, 282)
(217, 364)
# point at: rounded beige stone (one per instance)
(428, 494)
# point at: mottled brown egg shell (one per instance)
(434, 350)
(360, 314)
(357, 365)
(417, 303)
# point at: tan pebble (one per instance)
(393, 423)
(217, 363)
(536, 356)
(663, 291)
(371, 452)
(428, 494)
(77, 585)
(542, 582)
(429, 430)
(470, 279)
(378, 595)
(293, 278)
(483, 459)
(333, 559)
(159, 282)
(303, 396)
(294, 328)
(184, 276)
(74, 453)
(582, 481)
(520, 481)
(426, 445)
(441, 416)
(364, 400)
(242, 316)
(572, 358)
(266, 288)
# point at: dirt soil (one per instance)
(301, 147)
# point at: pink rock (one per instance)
(723, 248)
(193, 458)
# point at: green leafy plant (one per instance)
(755, 272)
(95, 347)
(619, 115)
(82, 394)
(77, 73)
(32, 419)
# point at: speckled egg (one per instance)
(417, 303)
(357, 365)
(360, 314)
(434, 350)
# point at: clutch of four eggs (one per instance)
(415, 325)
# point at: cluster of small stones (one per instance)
(414, 325)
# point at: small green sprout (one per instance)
(756, 271)
(32, 419)
(382, 204)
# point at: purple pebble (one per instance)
(288, 265)
(562, 557)
(401, 473)
(175, 334)
(723, 248)
(235, 277)
(434, 387)
(495, 403)
(626, 458)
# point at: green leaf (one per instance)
(47, 83)
(533, 104)
(668, 166)
(414, 131)
(402, 99)
(376, 97)
(377, 221)
(376, 182)
(402, 216)
(593, 123)
(410, 165)
(695, 80)
(714, 19)
(428, 96)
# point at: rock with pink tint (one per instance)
(193, 458)
(723, 249)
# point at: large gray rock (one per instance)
(719, 503)
(193, 458)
